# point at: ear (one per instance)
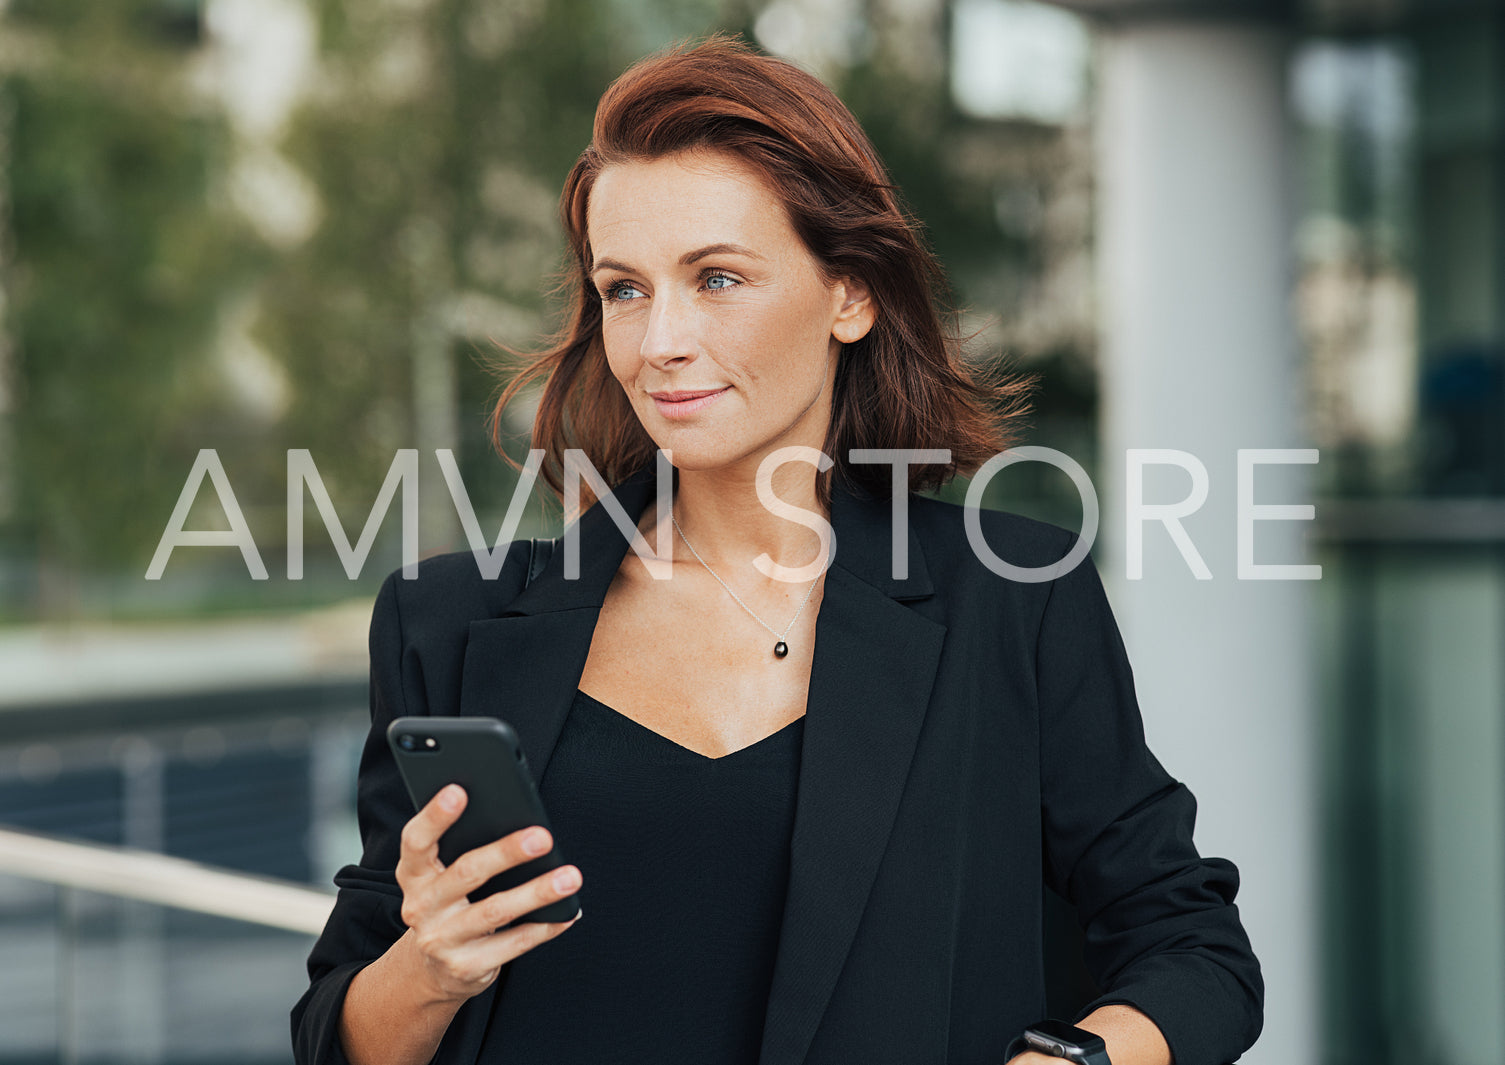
(856, 312)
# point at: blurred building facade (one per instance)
(1303, 200)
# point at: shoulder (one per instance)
(420, 626)
(1051, 589)
(447, 593)
(956, 546)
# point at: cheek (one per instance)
(790, 340)
(621, 353)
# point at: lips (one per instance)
(679, 397)
(679, 404)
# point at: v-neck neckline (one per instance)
(797, 723)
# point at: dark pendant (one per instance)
(780, 649)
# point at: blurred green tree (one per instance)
(121, 256)
(438, 141)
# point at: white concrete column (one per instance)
(1199, 356)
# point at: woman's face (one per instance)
(715, 318)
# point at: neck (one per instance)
(719, 512)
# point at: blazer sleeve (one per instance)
(1162, 931)
(366, 918)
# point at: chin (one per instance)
(694, 460)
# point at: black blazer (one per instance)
(967, 739)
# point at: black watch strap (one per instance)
(1060, 1040)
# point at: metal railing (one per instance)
(164, 881)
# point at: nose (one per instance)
(670, 339)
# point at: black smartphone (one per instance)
(483, 756)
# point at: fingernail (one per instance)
(449, 798)
(567, 879)
(536, 842)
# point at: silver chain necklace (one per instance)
(781, 648)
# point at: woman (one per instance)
(810, 808)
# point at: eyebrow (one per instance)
(686, 259)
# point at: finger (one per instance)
(420, 836)
(509, 943)
(475, 867)
(449, 891)
(507, 906)
(480, 962)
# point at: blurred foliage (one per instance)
(437, 145)
(434, 137)
(120, 258)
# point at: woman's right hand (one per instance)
(462, 944)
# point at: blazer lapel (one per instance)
(875, 661)
(525, 665)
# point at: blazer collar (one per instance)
(875, 661)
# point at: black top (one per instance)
(685, 860)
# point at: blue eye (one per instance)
(614, 289)
(719, 277)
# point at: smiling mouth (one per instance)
(678, 404)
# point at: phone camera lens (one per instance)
(407, 742)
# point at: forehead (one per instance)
(689, 199)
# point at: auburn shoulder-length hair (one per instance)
(903, 385)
